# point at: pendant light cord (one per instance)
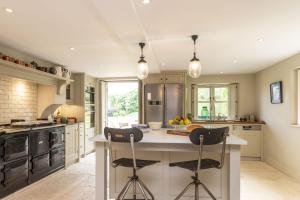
(142, 45)
(194, 38)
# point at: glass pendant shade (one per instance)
(142, 67)
(195, 65)
(195, 68)
(142, 70)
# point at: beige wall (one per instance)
(281, 141)
(18, 99)
(246, 91)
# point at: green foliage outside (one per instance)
(123, 105)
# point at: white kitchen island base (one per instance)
(167, 182)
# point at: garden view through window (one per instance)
(212, 103)
(122, 104)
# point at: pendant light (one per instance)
(142, 68)
(195, 65)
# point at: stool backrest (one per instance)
(130, 135)
(204, 136)
(123, 135)
(210, 136)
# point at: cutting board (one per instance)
(179, 132)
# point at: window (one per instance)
(214, 102)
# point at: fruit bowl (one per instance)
(179, 122)
(180, 127)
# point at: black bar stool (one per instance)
(201, 137)
(131, 135)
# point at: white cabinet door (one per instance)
(174, 78)
(253, 135)
(89, 146)
(81, 139)
(253, 148)
(154, 78)
(71, 144)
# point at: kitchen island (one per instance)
(165, 182)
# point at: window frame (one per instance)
(123, 81)
(211, 101)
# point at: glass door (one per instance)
(122, 104)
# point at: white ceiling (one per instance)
(105, 33)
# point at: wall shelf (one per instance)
(30, 74)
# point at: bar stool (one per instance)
(131, 135)
(202, 137)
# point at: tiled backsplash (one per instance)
(18, 99)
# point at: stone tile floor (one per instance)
(259, 181)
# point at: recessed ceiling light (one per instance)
(146, 1)
(221, 72)
(72, 48)
(9, 10)
(260, 40)
(234, 61)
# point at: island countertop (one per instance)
(161, 137)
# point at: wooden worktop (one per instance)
(227, 122)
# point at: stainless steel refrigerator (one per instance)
(163, 102)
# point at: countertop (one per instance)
(17, 130)
(161, 137)
(228, 122)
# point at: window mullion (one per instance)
(212, 104)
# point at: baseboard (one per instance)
(245, 158)
(293, 173)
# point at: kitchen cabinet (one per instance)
(176, 77)
(166, 77)
(89, 146)
(82, 92)
(253, 134)
(75, 90)
(81, 139)
(71, 149)
(154, 78)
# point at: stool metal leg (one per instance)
(196, 191)
(196, 183)
(142, 190)
(184, 191)
(207, 190)
(134, 189)
(146, 188)
(134, 181)
(126, 187)
(125, 191)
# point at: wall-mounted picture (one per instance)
(276, 92)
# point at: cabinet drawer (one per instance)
(15, 173)
(40, 164)
(57, 138)
(39, 142)
(13, 147)
(57, 157)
